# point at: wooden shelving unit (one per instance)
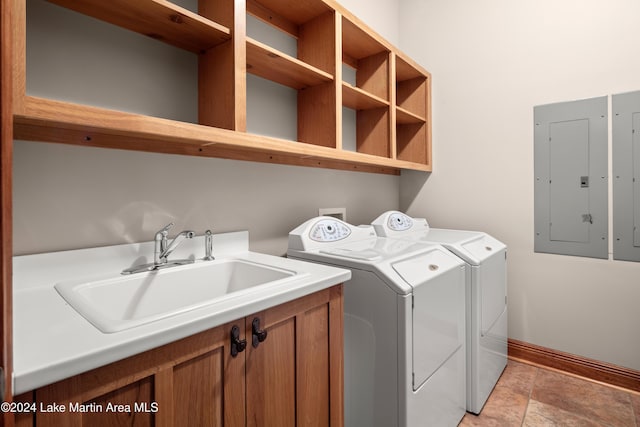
(391, 93)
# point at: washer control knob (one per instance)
(329, 230)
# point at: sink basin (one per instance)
(117, 303)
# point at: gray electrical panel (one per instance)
(626, 176)
(570, 188)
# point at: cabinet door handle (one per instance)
(237, 345)
(258, 335)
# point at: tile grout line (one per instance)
(526, 409)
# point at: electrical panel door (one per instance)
(570, 187)
(626, 176)
(568, 163)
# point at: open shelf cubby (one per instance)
(413, 131)
(366, 88)
(311, 70)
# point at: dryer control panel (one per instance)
(399, 221)
(325, 232)
(329, 230)
(394, 224)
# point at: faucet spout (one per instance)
(165, 252)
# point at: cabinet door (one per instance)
(208, 390)
(194, 381)
(294, 377)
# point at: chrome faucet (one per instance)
(162, 251)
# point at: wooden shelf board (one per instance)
(271, 64)
(297, 12)
(358, 99)
(270, 17)
(61, 122)
(159, 19)
(404, 117)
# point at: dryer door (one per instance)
(438, 310)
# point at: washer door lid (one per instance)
(475, 251)
(418, 270)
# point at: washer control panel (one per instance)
(399, 222)
(329, 230)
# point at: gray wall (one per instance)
(492, 61)
(73, 197)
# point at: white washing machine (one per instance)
(486, 267)
(404, 324)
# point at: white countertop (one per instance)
(51, 341)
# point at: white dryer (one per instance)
(404, 324)
(486, 269)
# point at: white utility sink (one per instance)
(117, 303)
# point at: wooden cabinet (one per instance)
(294, 377)
(390, 93)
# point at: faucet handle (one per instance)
(165, 230)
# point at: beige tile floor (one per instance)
(530, 396)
